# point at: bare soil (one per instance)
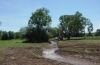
(33, 55)
(86, 51)
(26, 56)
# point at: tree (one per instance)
(23, 31)
(0, 34)
(72, 23)
(5, 35)
(11, 34)
(40, 22)
(17, 35)
(97, 32)
(90, 27)
(53, 31)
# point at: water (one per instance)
(50, 54)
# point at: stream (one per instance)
(49, 53)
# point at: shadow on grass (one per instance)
(27, 41)
(78, 39)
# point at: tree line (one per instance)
(4, 35)
(39, 29)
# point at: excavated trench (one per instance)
(49, 52)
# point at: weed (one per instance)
(86, 51)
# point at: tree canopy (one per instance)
(73, 23)
(38, 23)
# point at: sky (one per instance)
(15, 14)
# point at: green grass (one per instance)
(17, 42)
(11, 43)
(90, 41)
(87, 37)
(86, 51)
(77, 51)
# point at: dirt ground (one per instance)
(33, 55)
(87, 51)
(26, 56)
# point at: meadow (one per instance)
(16, 51)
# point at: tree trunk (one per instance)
(68, 36)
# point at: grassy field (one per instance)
(18, 42)
(16, 51)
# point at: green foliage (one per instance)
(53, 32)
(86, 51)
(40, 18)
(90, 27)
(23, 31)
(0, 34)
(97, 32)
(34, 35)
(38, 24)
(74, 24)
(17, 35)
(4, 35)
(11, 34)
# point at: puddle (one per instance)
(50, 54)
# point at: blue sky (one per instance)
(15, 14)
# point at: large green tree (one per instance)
(40, 21)
(73, 23)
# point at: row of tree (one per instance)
(9, 35)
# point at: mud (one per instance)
(26, 56)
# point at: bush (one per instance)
(4, 35)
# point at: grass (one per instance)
(17, 42)
(77, 51)
(87, 37)
(90, 41)
(86, 51)
(13, 42)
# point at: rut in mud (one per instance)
(50, 54)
